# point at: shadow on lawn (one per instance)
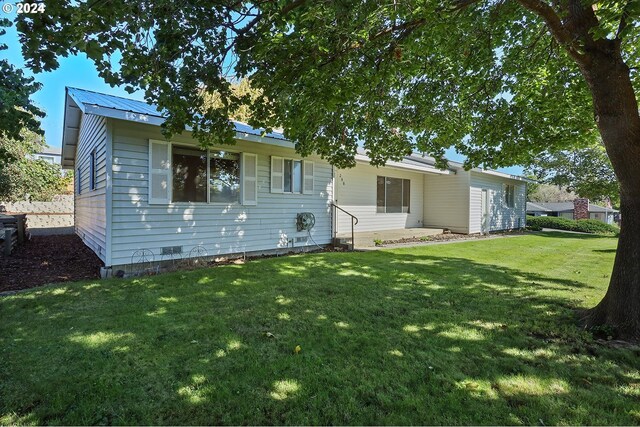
(386, 339)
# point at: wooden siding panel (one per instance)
(446, 201)
(356, 191)
(90, 205)
(502, 216)
(220, 228)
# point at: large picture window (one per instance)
(189, 175)
(224, 177)
(393, 195)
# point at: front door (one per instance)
(485, 220)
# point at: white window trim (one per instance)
(385, 196)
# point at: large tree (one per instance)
(500, 80)
(22, 177)
(587, 172)
(17, 111)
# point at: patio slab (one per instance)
(365, 239)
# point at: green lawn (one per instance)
(480, 332)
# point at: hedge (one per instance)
(582, 225)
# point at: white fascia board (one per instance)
(158, 120)
(398, 165)
(502, 175)
(265, 140)
(123, 115)
(79, 104)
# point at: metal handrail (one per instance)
(353, 224)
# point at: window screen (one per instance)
(189, 175)
(224, 177)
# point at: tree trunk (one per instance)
(616, 112)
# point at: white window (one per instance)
(393, 195)
(510, 195)
(291, 176)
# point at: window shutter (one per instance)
(249, 179)
(307, 170)
(277, 174)
(159, 172)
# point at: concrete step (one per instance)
(343, 243)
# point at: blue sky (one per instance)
(79, 71)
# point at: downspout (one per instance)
(526, 198)
(333, 200)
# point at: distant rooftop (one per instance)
(562, 207)
(50, 150)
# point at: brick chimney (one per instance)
(581, 209)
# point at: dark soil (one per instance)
(48, 259)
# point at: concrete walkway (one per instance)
(366, 239)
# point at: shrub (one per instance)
(583, 225)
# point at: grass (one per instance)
(479, 332)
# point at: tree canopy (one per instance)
(17, 111)
(23, 177)
(486, 77)
(587, 172)
(549, 193)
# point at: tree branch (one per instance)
(461, 4)
(293, 5)
(555, 25)
(623, 19)
(406, 26)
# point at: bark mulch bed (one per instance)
(443, 237)
(48, 259)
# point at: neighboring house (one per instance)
(51, 155)
(134, 190)
(578, 209)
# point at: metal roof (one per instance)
(96, 99)
(81, 101)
